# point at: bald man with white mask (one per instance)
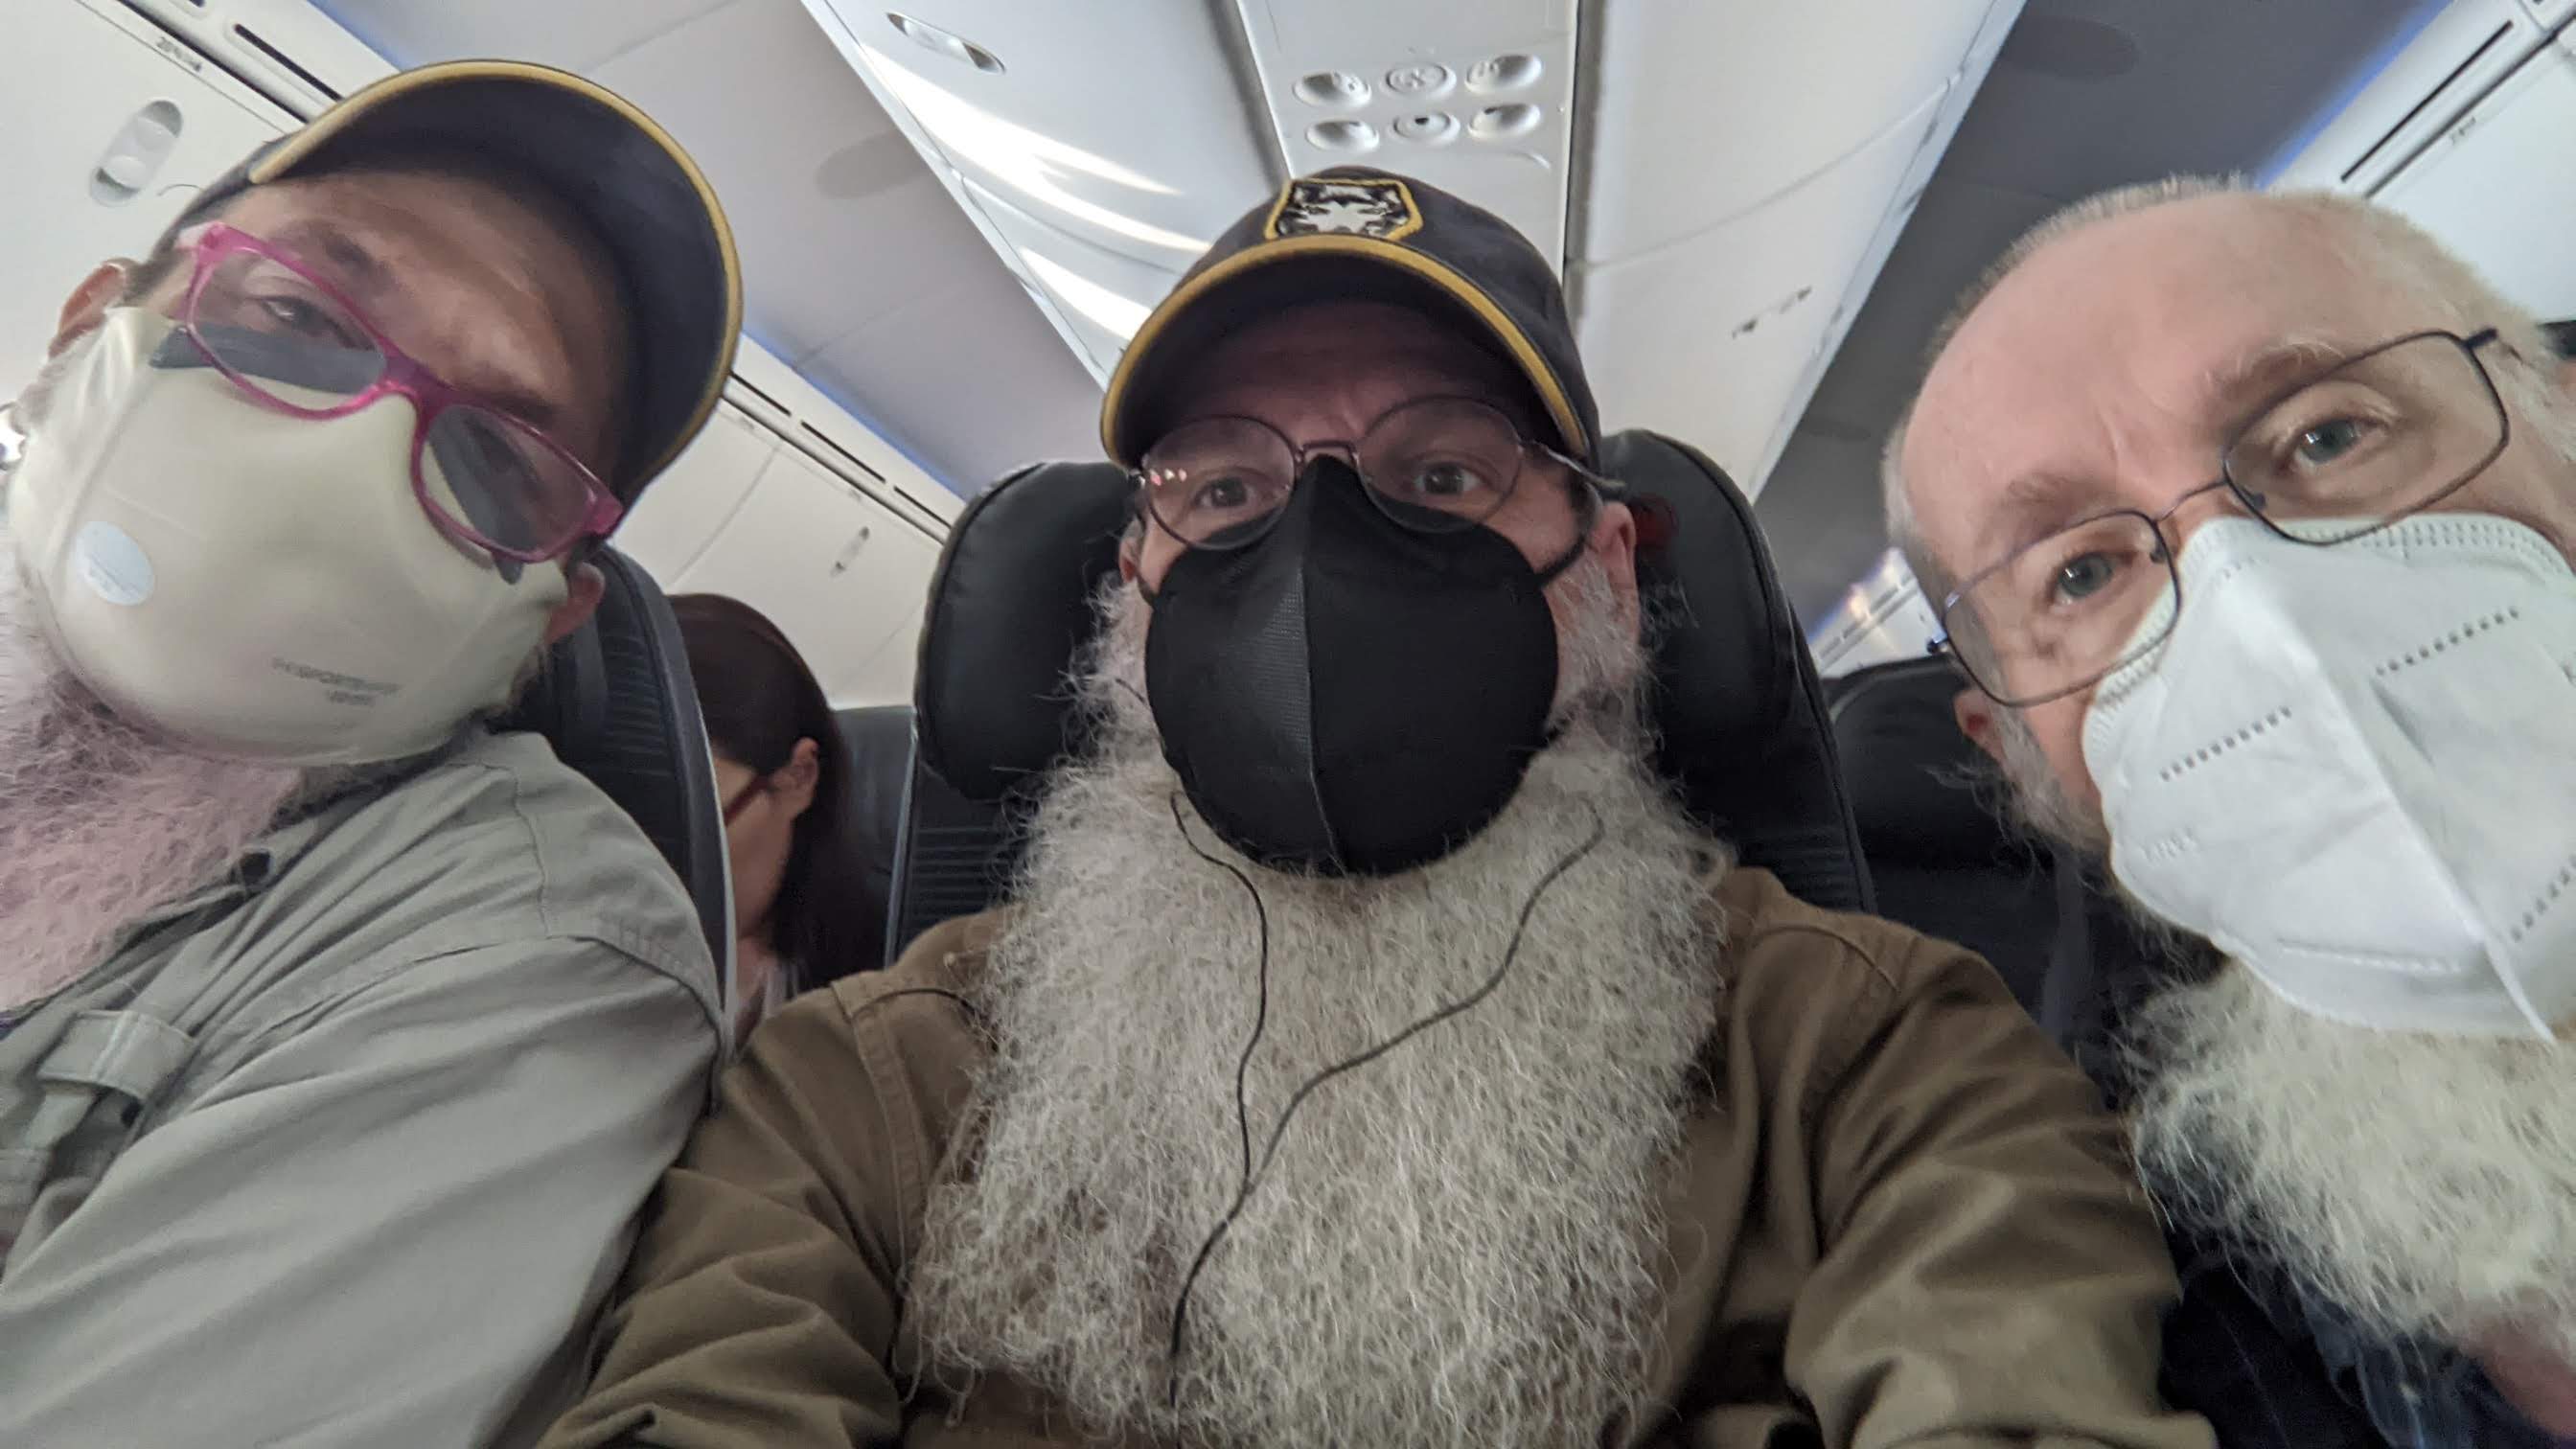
(2252, 517)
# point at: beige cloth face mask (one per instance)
(252, 584)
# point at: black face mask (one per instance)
(1347, 695)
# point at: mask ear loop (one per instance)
(1252, 1172)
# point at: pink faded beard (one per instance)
(99, 823)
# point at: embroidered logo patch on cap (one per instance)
(1370, 206)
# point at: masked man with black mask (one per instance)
(1373, 1053)
(341, 1034)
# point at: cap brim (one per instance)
(613, 166)
(1330, 267)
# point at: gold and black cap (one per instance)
(1352, 233)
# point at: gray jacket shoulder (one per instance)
(496, 844)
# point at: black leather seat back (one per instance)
(879, 745)
(1739, 713)
(1941, 860)
(616, 701)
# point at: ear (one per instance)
(1129, 550)
(586, 584)
(794, 782)
(1978, 720)
(88, 303)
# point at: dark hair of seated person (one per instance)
(760, 700)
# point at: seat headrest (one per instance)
(1740, 719)
(616, 701)
(1907, 762)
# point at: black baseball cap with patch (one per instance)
(640, 194)
(1360, 235)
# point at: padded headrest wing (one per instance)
(1906, 762)
(616, 701)
(1739, 716)
(1010, 612)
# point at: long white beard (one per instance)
(2425, 1185)
(99, 822)
(1457, 1243)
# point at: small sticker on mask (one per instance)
(113, 565)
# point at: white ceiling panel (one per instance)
(1709, 108)
(975, 375)
(573, 34)
(1104, 295)
(1749, 303)
(2497, 188)
(1123, 125)
(837, 220)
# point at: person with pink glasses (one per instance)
(342, 1032)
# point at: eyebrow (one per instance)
(2234, 392)
(2034, 505)
(318, 242)
(2240, 386)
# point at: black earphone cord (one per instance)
(1252, 1174)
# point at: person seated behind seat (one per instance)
(783, 774)
(2255, 514)
(341, 1037)
(1624, 1146)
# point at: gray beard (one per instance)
(1458, 1243)
(99, 822)
(2424, 1185)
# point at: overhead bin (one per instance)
(678, 518)
(1104, 294)
(2499, 186)
(1744, 165)
(1139, 131)
(1715, 282)
(1709, 110)
(1748, 302)
(2462, 53)
(835, 570)
(2467, 132)
(104, 136)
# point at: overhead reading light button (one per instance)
(1503, 73)
(1338, 90)
(1342, 136)
(1431, 128)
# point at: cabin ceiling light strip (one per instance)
(1023, 159)
(1116, 313)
